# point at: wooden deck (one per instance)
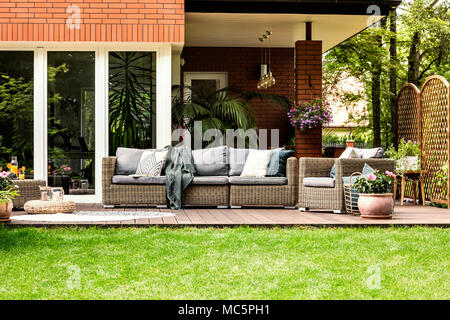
(407, 215)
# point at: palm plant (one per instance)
(131, 99)
(227, 108)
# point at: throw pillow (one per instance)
(349, 153)
(277, 163)
(367, 169)
(333, 171)
(127, 160)
(211, 161)
(237, 161)
(151, 163)
(256, 164)
(370, 153)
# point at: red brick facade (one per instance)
(308, 78)
(243, 68)
(100, 20)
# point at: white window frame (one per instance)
(163, 99)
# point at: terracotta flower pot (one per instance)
(6, 211)
(376, 206)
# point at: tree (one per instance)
(413, 46)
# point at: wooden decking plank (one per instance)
(182, 217)
(194, 216)
(206, 216)
(220, 216)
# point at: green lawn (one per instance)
(241, 263)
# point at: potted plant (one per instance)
(375, 198)
(407, 156)
(308, 117)
(60, 177)
(8, 191)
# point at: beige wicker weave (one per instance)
(119, 194)
(200, 195)
(49, 207)
(206, 195)
(331, 198)
(268, 195)
(28, 190)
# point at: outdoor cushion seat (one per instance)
(258, 181)
(318, 182)
(211, 180)
(122, 179)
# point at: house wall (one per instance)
(99, 20)
(308, 79)
(243, 68)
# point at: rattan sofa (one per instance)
(222, 192)
(331, 198)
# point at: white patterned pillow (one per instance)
(151, 163)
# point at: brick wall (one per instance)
(308, 78)
(101, 20)
(243, 67)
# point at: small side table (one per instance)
(415, 177)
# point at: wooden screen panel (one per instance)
(408, 124)
(408, 110)
(434, 100)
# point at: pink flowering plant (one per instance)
(375, 182)
(62, 170)
(310, 114)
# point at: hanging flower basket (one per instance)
(308, 117)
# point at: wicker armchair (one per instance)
(331, 198)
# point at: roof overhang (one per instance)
(230, 23)
(344, 7)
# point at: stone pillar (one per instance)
(308, 86)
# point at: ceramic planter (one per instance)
(376, 206)
(6, 211)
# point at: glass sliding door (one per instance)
(16, 109)
(132, 100)
(71, 121)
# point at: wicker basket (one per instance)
(351, 196)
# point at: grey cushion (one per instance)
(211, 180)
(318, 182)
(370, 153)
(122, 179)
(237, 161)
(127, 160)
(258, 181)
(211, 161)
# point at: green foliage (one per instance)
(8, 190)
(376, 182)
(216, 110)
(224, 263)
(16, 109)
(131, 99)
(405, 149)
(423, 40)
(441, 177)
